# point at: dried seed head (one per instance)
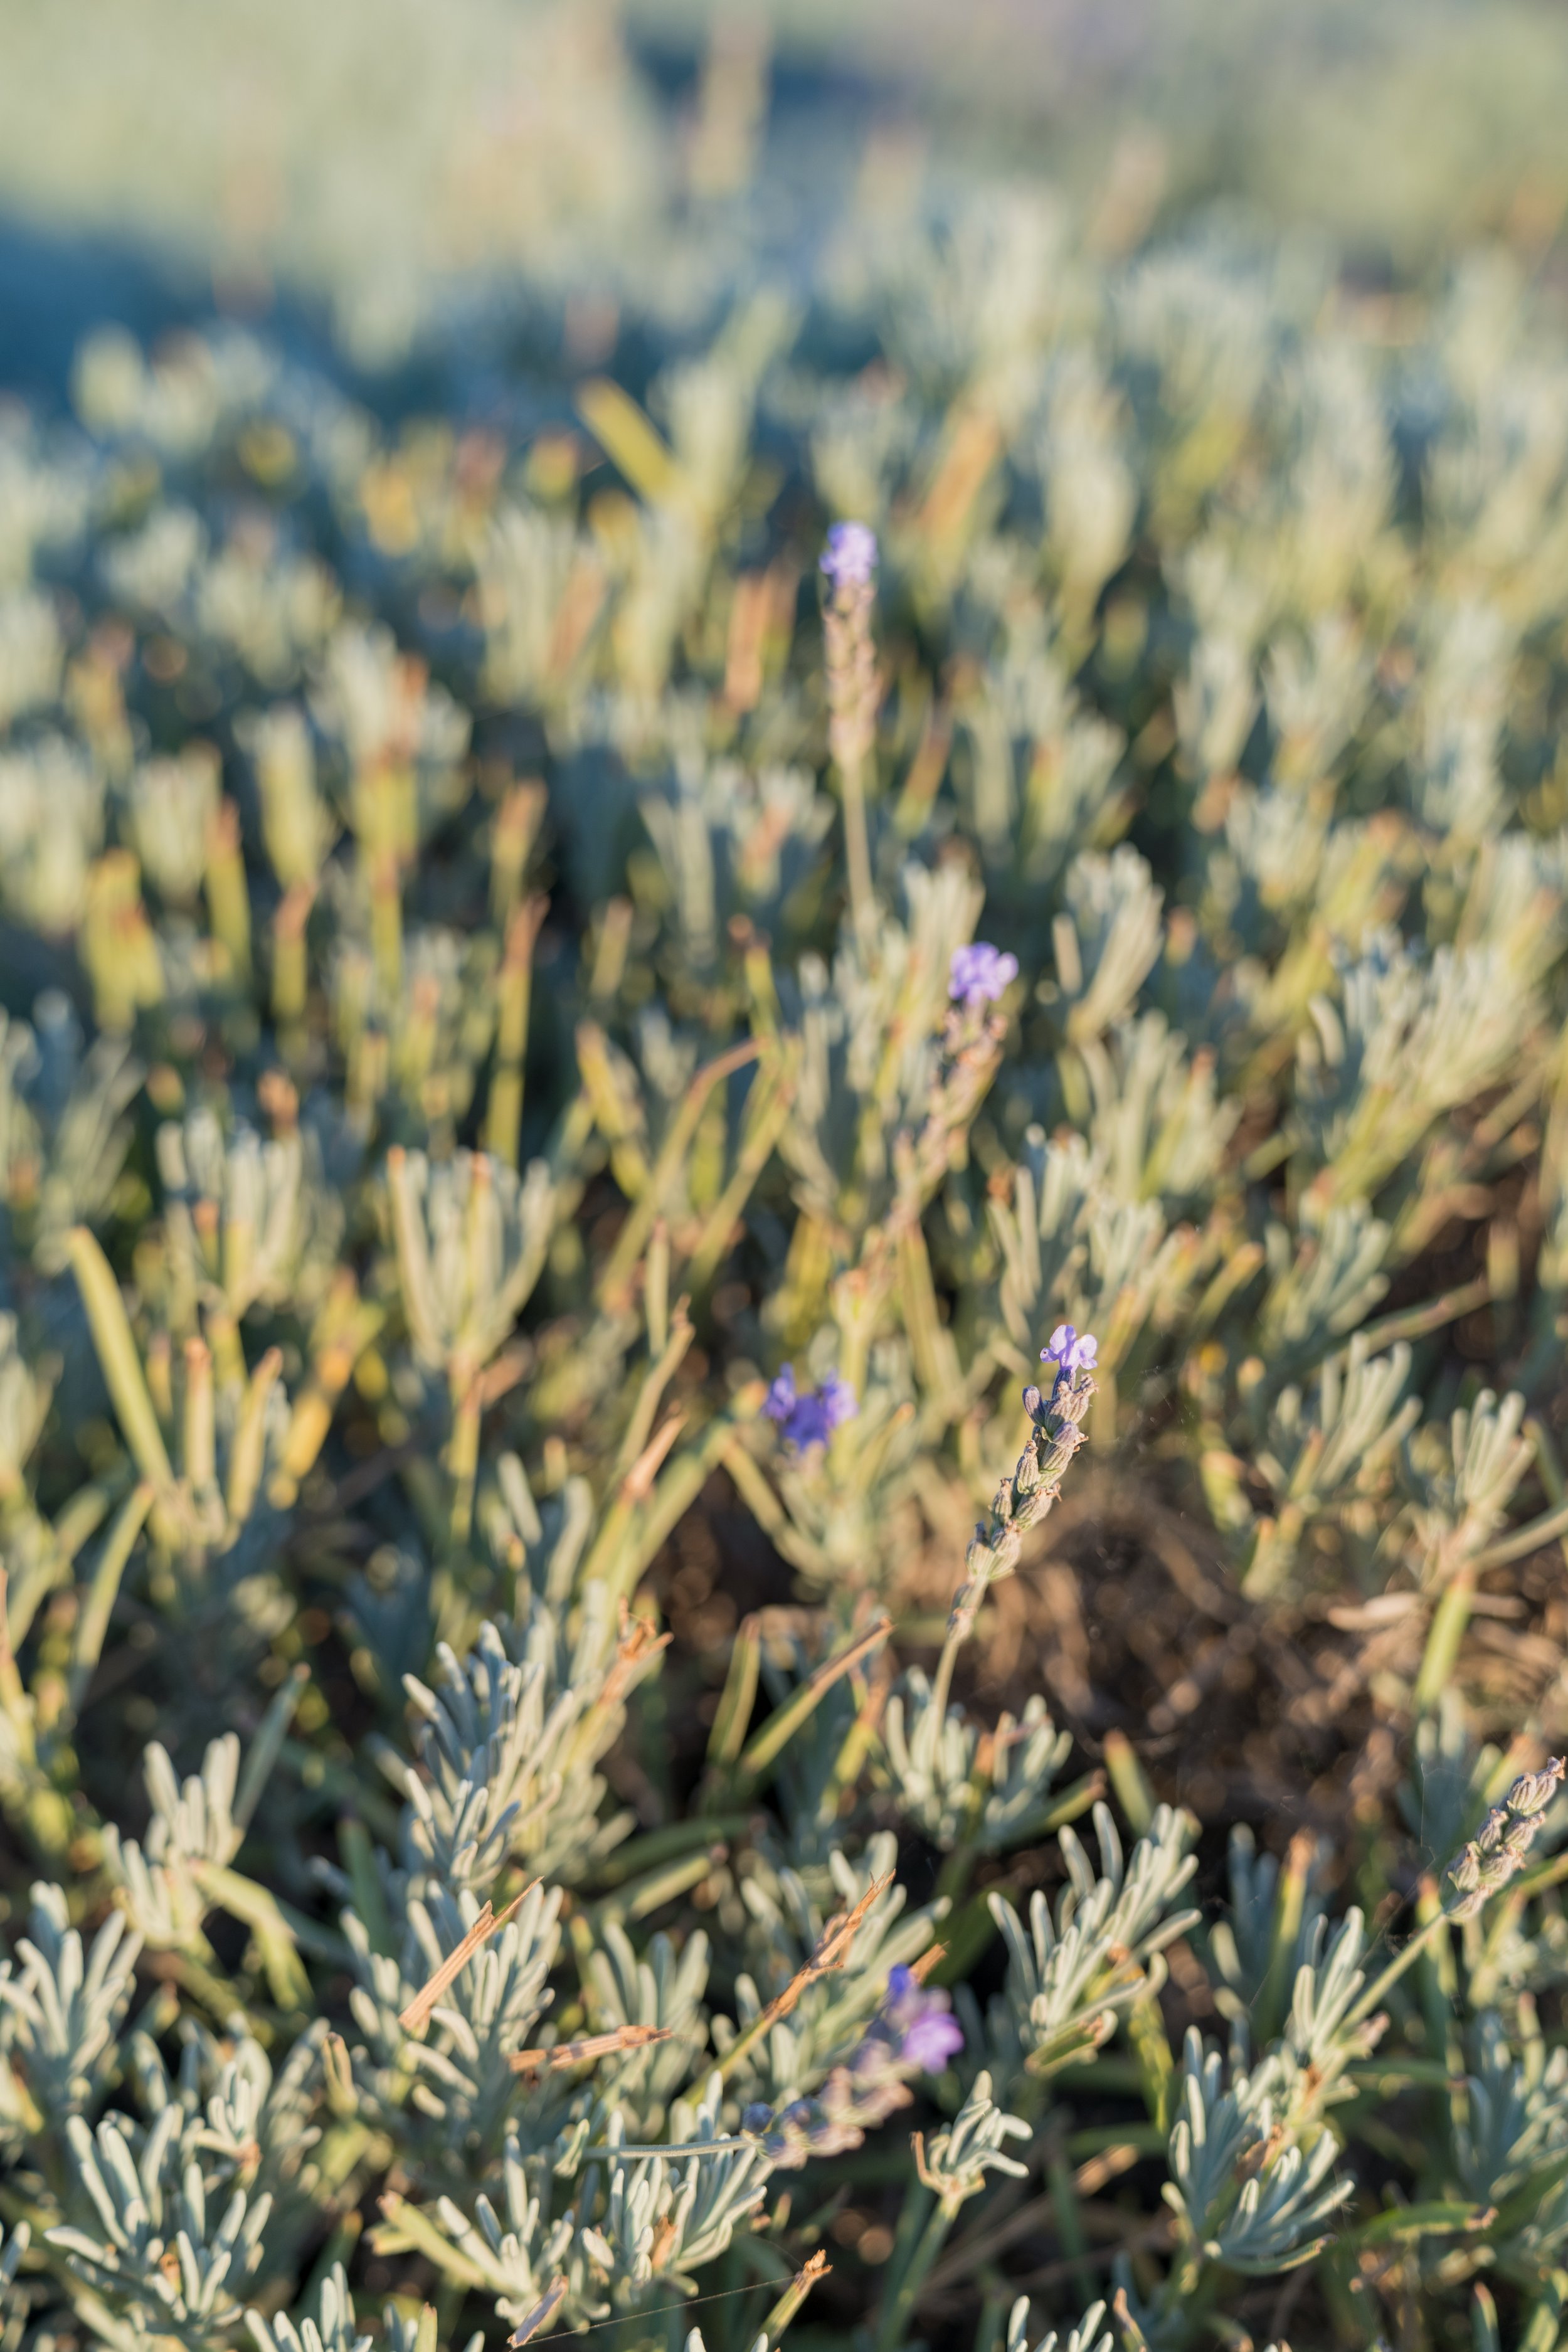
(1499, 1848)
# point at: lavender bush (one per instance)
(783, 1208)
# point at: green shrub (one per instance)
(531, 1728)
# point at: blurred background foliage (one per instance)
(393, 161)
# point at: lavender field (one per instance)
(784, 1180)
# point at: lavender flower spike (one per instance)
(849, 559)
(809, 1420)
(928, 2034)
(914, 2032)
(1497, 1853)
(980, 974)
(1069, 1352)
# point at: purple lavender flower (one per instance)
(1069, 1352)
(929, 2035)
(980, 974)
(849, 559)
(914, 2032)
(809, 1420)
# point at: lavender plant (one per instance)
(783, 1198)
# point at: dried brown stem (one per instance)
(417, 2013)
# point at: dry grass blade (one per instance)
(6, 1660)
(596, 2046)
(814, 2267)
(417, 2013)
(839, 1933)
(638, 1644)
(832, 1951)
(785, 1720)
(528, 2327)
(637, 1485)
